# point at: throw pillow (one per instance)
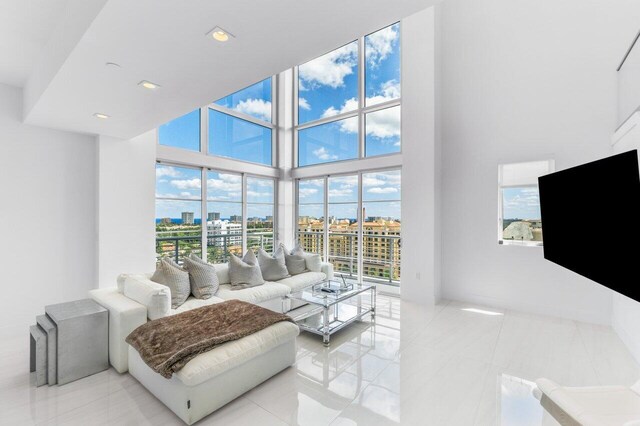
(273, 267)
(173, 276)
(295, 264)
(312, 260)
(203, 277)
(245, 272)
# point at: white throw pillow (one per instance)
(312, 260)
(203, 277)
(295, 264)
(155, 297)
(273, 267)
(245, 272)
(173, 276)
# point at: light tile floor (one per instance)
(415, 366)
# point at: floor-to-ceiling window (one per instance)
(347, 109)
(363, 215)
(178, 211)
(226, 208)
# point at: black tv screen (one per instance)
(591, 221)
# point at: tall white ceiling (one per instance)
(164, 41)
(25, 28)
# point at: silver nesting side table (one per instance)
(69, 342)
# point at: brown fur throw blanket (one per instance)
(168, 344)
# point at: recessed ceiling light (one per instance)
(148, 85)
(101, 115)
(220, 34)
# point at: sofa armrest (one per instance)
(125, 315)
(327, 268)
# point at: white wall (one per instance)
(126, 206)
(625, 315)
(420, 160)
(523, 81)
(47, 213)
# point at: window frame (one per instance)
(243, 203)
(359, 112)
(501, 188)
(359, 202)
(204, 128)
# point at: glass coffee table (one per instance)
(331, 305)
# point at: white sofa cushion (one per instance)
(222, 269)
(273, 266)
(300, 281)
(155, 297)
(259, 294)
(231, 354)
(193, 303)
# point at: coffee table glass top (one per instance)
(329, 292)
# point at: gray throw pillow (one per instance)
(295, 264)
(203, 277)
(312, 260)
(245, 272)
(273, 267)
(173, 276)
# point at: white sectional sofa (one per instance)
(214, 378)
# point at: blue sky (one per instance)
(521, 203)
(328, 86)
(381, 195)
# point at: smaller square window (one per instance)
(520, 221)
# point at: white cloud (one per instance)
(256, 108)
(305, 192)
(323, 154)
(225, 183)
(186, 184)
(385, 190)
(258, 194)
(380, 44)
(167, 171)
(384, 123)
(342, 192)
(330, 69)
(349, 105)
(389, 90)
(304, 104)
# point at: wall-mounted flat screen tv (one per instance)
(591, 221)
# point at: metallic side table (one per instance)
(82, 338)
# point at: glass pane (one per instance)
(381, 185)
(382, 69)
(183, 132)
(178, 182)
(328, 85)
(343, 189)
(311, 227)
(255, 100)
(328, 142)
(382, 132)
(178, 229)
(240, 139)
(521, 214)
(260, 226)
(311, 191)
(224, 230)
(260, 190)
(224, 186)
(343, 238)
(381, 241)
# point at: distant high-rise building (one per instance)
(187, 218)
(269, 219)
(165, 221)
(235, 218)
(213, 216)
